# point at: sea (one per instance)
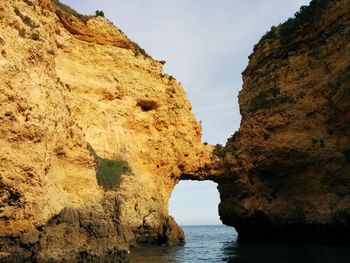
(221, 244)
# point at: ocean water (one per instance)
(220, 244)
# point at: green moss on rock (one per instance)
(109, 172)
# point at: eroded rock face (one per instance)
(289, 162)
(93, 135)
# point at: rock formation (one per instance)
(93, 135)
(288, 165)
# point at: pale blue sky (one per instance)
(206, 44)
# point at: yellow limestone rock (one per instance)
(289, 163)
(93, 137)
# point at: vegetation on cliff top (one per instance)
(288, 30)
(99, 13)
(221, 151)
(70, 11)
(65, 9)
(60, 7)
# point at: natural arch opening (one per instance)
(195, 203)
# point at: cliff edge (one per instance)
(93, 136)
(289, 163)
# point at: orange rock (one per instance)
(92, 134)
(292, 149)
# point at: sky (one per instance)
(206, 44)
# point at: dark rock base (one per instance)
(320, 234)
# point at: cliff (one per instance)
(93, 137)
(288, 173)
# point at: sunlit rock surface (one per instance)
(289, 163)
(93, 138)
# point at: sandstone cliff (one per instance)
(289, 163)
(93, 138)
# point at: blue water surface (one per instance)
(220, 244)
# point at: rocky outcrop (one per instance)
(94, 136)
(288, 165)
